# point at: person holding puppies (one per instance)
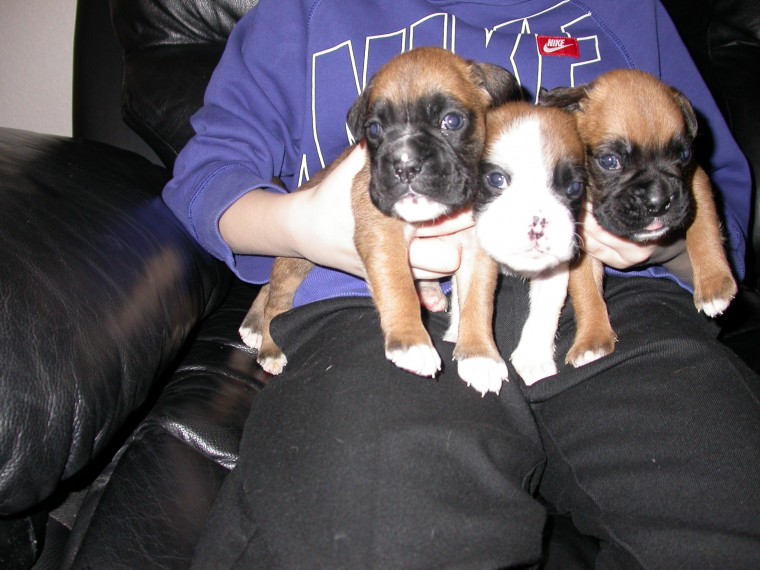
(349, 462)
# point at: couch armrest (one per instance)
(100, 287)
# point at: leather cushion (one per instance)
(170, 49)
(145, 24)
(167, 475)
(162, 89)
(101, 287)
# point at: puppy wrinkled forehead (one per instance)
(634, 106)
(423, 73)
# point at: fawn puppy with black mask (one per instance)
(644, 185)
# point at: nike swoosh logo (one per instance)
(550, 49)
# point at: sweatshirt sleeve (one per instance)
(718, 152)
(243, 132)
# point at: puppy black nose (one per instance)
(406, 168)
(658, 203)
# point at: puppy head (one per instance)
(638, 134)
(532, 180)
(423, 119)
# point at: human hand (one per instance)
(436, 249)
(322, 224)
(612, 250)
(434, 252)
(315, 223)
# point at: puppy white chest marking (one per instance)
(415, 208)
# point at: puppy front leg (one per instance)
(384, 251)
(480, 364)
(274, 299)
(714, 284)
(250, 330)
(407, 343)
(534, 356)
(594, 336)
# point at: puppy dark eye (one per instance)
(685, 155)
(497, 180)
(452, 122)
(373, 130)
(609, 162)
(575, 189)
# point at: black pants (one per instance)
(348, 462)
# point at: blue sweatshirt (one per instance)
(276, 104)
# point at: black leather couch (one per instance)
(125, 386)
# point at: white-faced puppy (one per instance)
(644, 185)
(532, 179)
(422, 118)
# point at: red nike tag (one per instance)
(558, 46)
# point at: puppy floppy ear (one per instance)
(357, 114)
(689, 116)
(567, 98)
(499, 83)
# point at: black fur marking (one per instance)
(652, 185)
(443, 159)
(486, 192)
(569, 184)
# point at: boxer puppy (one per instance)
(645, 186)
(422, 118)
(532, 179)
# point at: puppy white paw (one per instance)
(714, 307)
(273, 365)
(452, 334)
(587, 357)
(483, 374)
(421, 359)
(714, 293)
(533, 367)
(251, 338)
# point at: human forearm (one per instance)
(253, 225)
(317, 224)
(313, 223)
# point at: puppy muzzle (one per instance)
(418, 178)
(648, 210)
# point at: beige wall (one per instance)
(36, 60)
